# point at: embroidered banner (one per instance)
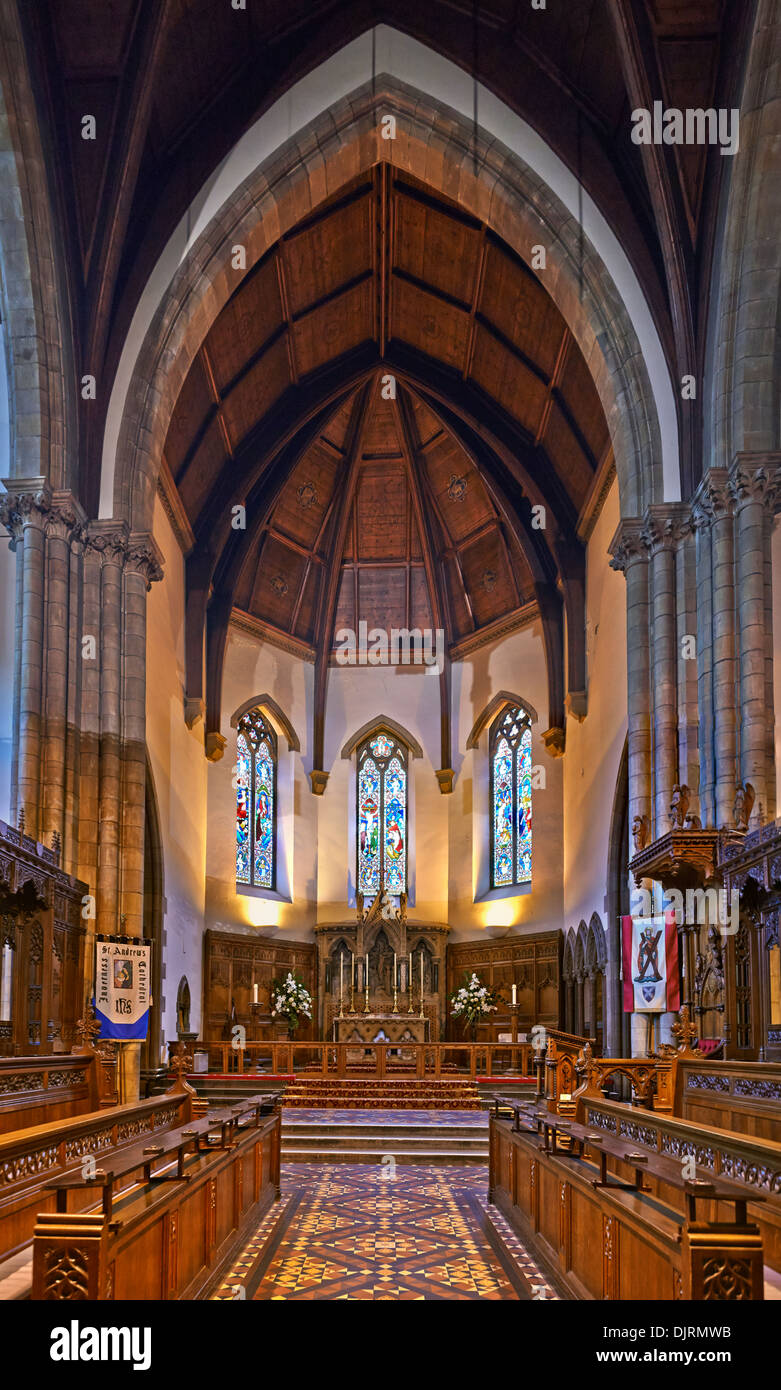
(122, 982)
(650, 953)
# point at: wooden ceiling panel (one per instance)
(461, 498)
(583, 403)
(334, 328)
(192, 409)
(382, 597)
(435, 327)
(206, 43)
(461, 621)
(328, 253)
(380, 437)
(307, 613)
(203, 469)
(93, 33)
(305, 500)
(434, 247)
(512, 298)
(277, 581)
(264, 383)
(487, 577)
(420, 606)
(382, 507)
(345, 603)
(246, 323)
(501, 375)
(565, 453)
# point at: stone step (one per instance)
(399, 1152)
(383, 1143)
(447, 1133)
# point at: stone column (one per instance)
(141, 568)
(701, 520)
(714, 496)
(686, 659)
(660, 534)
(630, 555)
(24, 513)
(63, 517)
(110, 540)
(753, 491)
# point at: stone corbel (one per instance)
(554, 740)
(215, 746)
(319, 780)
(445, 777)
(194, 710)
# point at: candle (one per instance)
(421, 979)
(341, 974)
(395, 976)
(254, 994)
(515, 1001)
(409, 977)
(352, 969)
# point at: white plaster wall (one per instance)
(179, 772)
(594, 747)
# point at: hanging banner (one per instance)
(650, 954)
(122, 986)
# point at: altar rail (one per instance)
(379, 1060)
(29, 1158)
(39, 1090)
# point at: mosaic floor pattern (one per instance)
(365, 1232)
(434, 1119)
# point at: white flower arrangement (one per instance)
(291, 999)
(472, 1001)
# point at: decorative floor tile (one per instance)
(351, 1232)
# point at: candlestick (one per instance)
(411, 1008)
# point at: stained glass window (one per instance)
(382, 816)
(256, 801)
(511, 799)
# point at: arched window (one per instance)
(382, 815)
(256, 801)
(511, 799)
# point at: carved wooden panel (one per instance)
(531, 963)
(233, 965)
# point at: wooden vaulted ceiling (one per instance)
(387, 271)
(174, 83)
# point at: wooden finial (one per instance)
(87, 1028)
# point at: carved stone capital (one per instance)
(755, 478)
(26, 503)
(108, 541)
(627, 544)
(66, 519)
(144, 557)
(712, 501)
(665, 525)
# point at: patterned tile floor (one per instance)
(358, 1232)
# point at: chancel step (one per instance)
(357, 1093)
(385, 1134)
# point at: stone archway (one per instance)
(496, 186)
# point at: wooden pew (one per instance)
(583, 1201)
(188, 1204)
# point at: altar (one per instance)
(381, 1027)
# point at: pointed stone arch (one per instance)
(503, 699)
(268, 705)
(379, 725)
